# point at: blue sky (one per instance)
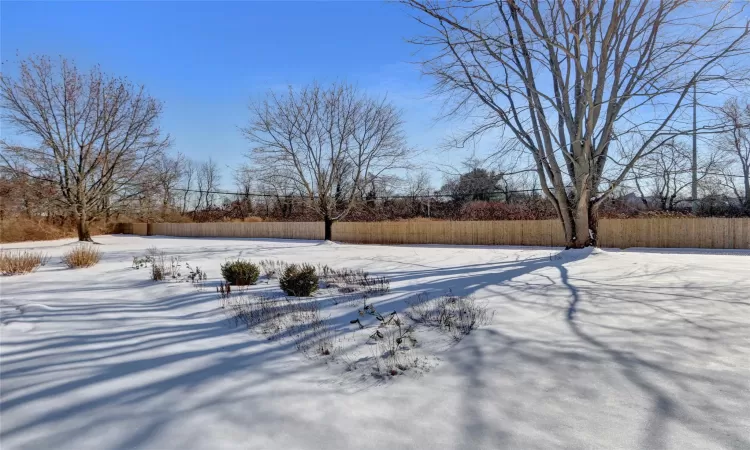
(207, 60)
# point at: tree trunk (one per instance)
(328, 228)
(581, 237)
(83, 229)
(581, 223)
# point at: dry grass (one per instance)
(20, 229)
(85, 255)
(354, 283)
(450, 313)
(279, 317)
(16, 262)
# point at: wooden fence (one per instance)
(132, 228)
(618, 233)
(509, 232)
(710, 232)
(279, 230)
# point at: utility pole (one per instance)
(695, 149)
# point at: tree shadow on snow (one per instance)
(612, 334)
(654, 336)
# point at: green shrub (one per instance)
(299, 281)
(240, 272)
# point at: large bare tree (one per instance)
(585, 87)
(735, 145)
(328, 142)
(92, 134)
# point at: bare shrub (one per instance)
(157, 272)
(271, 315)
(271, 268)
(392, 353)
(225, 291)
(450, 313)
(250, 310)
(315, 337)
(140, 262)
(85, 255)
(375, 286)
(279, 317)
(391, 342)
(349, 281)
(164, 267)
(195, 275)
(339, 277)
(158, 260)
(392, 319)
(16, 262)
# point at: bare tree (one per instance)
(735, 144)
(24, 195)
(244, 181)
(188, 177)
(207, 178)
(418, 190)
(94, 134)
(664, 175)
(576, 81)
(418, 185)
(280, 193)
(168, 171)
(328, 142)
(208, 181)
(200, 186)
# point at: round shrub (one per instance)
(299, 281)
(81, 256)
(240, 272)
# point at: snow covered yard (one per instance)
(589, 350)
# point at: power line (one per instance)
(386, 197)
(435, 194)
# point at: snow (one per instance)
(587, 350)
